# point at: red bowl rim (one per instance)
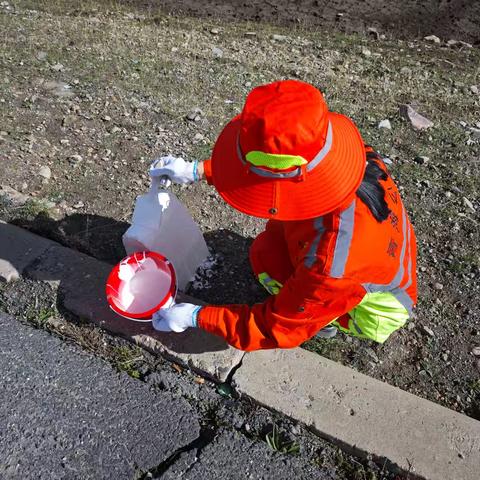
(149, 313)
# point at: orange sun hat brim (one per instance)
(322, 190)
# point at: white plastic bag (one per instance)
(162, 224)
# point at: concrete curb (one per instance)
(360, 414)
(81, 282)
(364, 415)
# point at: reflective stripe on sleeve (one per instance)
(394, 285)
(344, 240)
(312, 252)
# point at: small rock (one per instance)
(106, 118)
(476, 351)
(475, 132)
(459, 44)
(438, 286)
(214, 31)
(55, 322)
(45, 172)
(195, 115)
(295, 429)
(411, 325)
(217, 52)
(432, 39)
(373, 32)
(74, 159)
(474, 89)
(41, 55)
(468, 204)
(372, 354)
(279, 38)
(13, 196)
(79, 204)
(58, 67)
(421, 160)
(418, 122)
(198, 137)
(385, 124)
(60, 89)
(428, 330)
(250, 34)
(445, 357)
(366, 52)
(115, 129)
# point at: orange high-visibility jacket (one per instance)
(337, 259)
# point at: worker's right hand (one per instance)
(176, 169)
(176, 318)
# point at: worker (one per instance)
(338, 251)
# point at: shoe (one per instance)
(327, 332)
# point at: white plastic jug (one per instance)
(162, 224)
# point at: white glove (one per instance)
(176, 169)
(177, 318)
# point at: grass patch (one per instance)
(40, 317)
(277, 442)
(127, 359)
(336, 349)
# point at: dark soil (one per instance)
(448, 19)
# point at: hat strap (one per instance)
(299, 171)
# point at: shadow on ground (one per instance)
(230, 280)
(81, 279)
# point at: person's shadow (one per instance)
(81, 279)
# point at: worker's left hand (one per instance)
(177, 318)
(175, 169)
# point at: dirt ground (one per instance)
(448, 19)
(94, 92)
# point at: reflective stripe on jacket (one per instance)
(337, 259)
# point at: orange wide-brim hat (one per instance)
(286, 156)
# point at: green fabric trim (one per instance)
(271, 285)
(274, 160)
(376, 317)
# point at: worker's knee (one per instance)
(375, 318)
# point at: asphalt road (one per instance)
(65, 414)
